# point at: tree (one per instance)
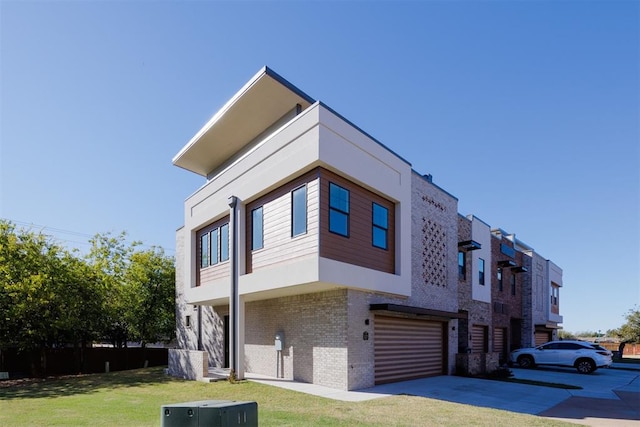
(150, 284)
(139, 285)
(109, 257)
(566, 335)
(630, 331)
(46, 296)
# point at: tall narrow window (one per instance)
(380, 226)
(481, 271)
(338, 210)
(500, 279)
(462, 265)
(204, 250)
(215, 245)
(224, 242)
(257, 229)
(513, 284)
(299, 211)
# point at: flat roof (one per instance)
(266, 98)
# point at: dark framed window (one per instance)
(462, 265)
(204, 250)
(214, 246)
(513, 284)
(500, 279)
(481, 271)
(338, 210)
(224, 242)
(380, 223)
(257, 228)
(299, 211)
(214, 236)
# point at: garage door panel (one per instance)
(407, 348)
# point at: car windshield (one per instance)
(598, 347)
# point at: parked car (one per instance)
(586, 357)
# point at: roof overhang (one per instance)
(396, 309)
(266, 98)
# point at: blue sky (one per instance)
(527, 111)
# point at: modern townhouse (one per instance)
(313, 252)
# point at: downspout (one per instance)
(234, 295)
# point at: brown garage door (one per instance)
(407, 348)
(542, 337)
(479, 341)
(499, 345)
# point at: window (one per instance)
(224, 242)
(462, 265)
(500, 279)
(380, 226)
(215, 245)
(338, 210)
(299, 211)
(513, 284)
(481, 271)
(555, 290)
(187, 321)
(257, 229)
(204, 250)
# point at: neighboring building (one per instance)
(315, 253)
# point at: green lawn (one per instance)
(134, 398)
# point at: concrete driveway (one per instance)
(609, 397)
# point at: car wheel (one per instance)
(526, 362)
(585, 366)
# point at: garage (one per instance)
(542, 337)
(407, 348)
(500, 343)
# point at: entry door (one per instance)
(226, 341)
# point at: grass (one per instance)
(134, 398)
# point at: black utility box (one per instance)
(209, 413)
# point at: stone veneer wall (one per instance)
(188, 364)
(434, 254)
(315, 330)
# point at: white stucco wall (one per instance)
(481, 233)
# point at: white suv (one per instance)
(586, 357)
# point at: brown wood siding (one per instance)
(279, 245)
(358, 247)
(407, 348)
(479, 339)
(212, 272)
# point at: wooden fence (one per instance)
(62, 361)
(629, 349)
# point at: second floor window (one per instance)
(555, 291)
(214, 246)
(500, 279)
(338, 210)
(481, 271)
(224, 242)
(513, 284)
(257, 229)
(204, 250)
(462, 265)
(380, 226)
(299, 211)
